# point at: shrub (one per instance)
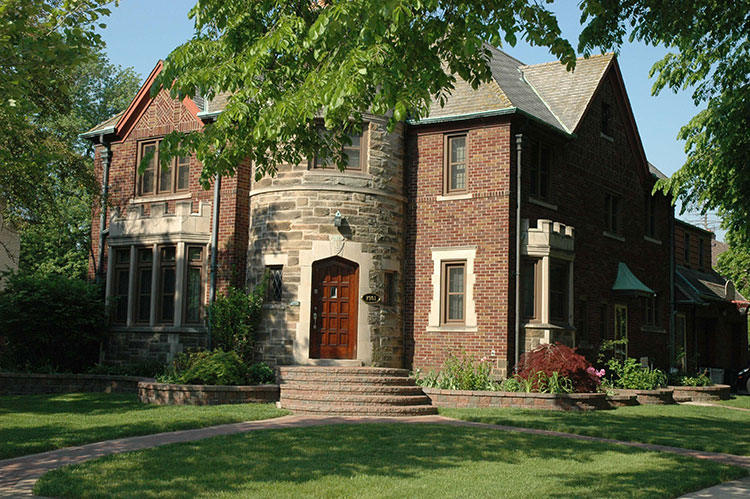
(463, 373)
(52, 322)
(143, 368)
(630, 375)
(215, 368)
(560, 359)
(235, 318)
(698, 380)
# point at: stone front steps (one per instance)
(352, 391)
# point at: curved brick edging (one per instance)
(701, 393)
(169, 394)
(27, 384)
(660, 396)
(520, 400)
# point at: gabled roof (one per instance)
(703, 287)
(568, 93)
(119, 126)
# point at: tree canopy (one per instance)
(288, 63)
(42, 44)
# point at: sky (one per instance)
(138, 40)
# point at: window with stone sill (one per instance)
(355, 154)
(455, 179)
(454, 293)
(156, 179)
(540, 173)
(612, 219)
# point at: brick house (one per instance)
(534, 186)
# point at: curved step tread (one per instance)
(346, 371)
(352, 399)
(353, 410)
(353, 388)
(343, 380)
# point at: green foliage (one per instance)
(734, 263)
(630, 375)
(538, 382)
(697, 380)
(235, 318)
(51, 321)
(143, 368)
(464, 373)
(215, 367)
(42, 45)
(287, 63)
(556, 383)
(709, 53)
(510, 385)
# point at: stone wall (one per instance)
(126, 345)
(547, 401)
(167, 394)
(292, 224)
(27, 384)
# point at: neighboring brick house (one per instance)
(410, 254)
(711, 315)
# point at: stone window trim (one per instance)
(446, 291)
(466, 254)
(448, 140)
(542, 203)
(181, 269)
(157, 171)
(652, 240)
(363, 149)
(540, 174)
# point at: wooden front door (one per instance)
(333, 321)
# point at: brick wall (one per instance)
(693, 255)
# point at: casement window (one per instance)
(701, 246)
(274, 289)
(167, 283)
(121, 276)
(606, 119)
(455, 167)
(194, 284)
(650, 216)
(686, 249)
(389, 288)
(540, 173)
(558, 290)
(143, 279)
(530, 286)
(612, 221)
(454, 292)
(355, 154)
(155, 297)
(650, 314)
(155, 179)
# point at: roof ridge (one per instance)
(496, 49)
(546, 104)
(582, 58)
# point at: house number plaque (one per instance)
(371, 298)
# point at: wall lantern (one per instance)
(337, 219)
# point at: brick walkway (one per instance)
(18, 475)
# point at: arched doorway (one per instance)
(333, 321)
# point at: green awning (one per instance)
(627, 283)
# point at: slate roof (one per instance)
(104, 125)
(701, 287)
(656, 172)
(546, 91)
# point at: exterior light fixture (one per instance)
(337, 219)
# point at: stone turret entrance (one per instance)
(333, 324)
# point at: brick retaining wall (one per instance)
(26, 384)
(520, 400)
(168, 394)
(658, 397)
(701, 393)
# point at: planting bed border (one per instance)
(519, 400)
(170, 394)
(28, 384)
(701, 393)
(660, 396)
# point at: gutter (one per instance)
(208, 115)
(672, 304)
(519, 150)
(214, 253)
(106, 156)
(97, 133)
(489, 114)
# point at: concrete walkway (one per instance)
(18, 475)
(709, 404)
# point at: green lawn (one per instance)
(694, 427)
(37, 423)
(386, 460)
(742, 401)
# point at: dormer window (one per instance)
(156, 179)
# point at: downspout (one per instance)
(214, 252)
(672, 306)
(519, 149)
(106, 156)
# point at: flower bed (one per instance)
(519, 400)
(701, 393)
(659, 396)
(170, 394)
(26, 383)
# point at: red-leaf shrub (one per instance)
(563, 360)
